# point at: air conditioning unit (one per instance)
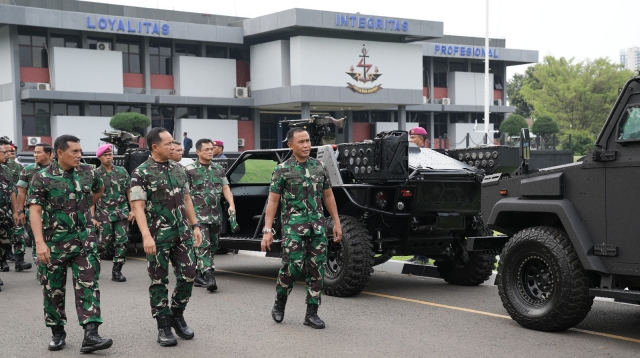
(240, 142)
(32, 141)
(43, 86)
(497, 102)
(242, 92)
(446, 101)
(103, 46)
(424, 99)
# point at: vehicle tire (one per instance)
(349, 262)
(476, 270)
(382, 258)
(541, 281)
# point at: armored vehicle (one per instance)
(571, 232)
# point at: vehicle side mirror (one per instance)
(525, 144)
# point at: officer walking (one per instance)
(15, 253)
(59, 199)
(112, 211)
(6, 191)
(161, 205)
(301, 184)
(42, 157)
(207, 181)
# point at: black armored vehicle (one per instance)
(572, 231)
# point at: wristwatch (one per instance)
(195, 226)
(268, 230)
(20, 211)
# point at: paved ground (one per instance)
(398, 315)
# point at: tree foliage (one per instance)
(130, 122)
(544, 125)
(579, 94)
(514, 94)
(580, 141)
(512, 125)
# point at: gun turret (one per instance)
(122, 140)
(318, 128)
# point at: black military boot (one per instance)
(20, 264)
(116, 272)
(4, 266)
(10, 256)
(199, 281)
(312, 319)
(277, 312)
(57, 339)
(178, 323)
(211, 281)
(1, 283)
(165, 335)
(92, 341)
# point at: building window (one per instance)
(32, 48)
(160, 58)
(163, 116)
(122, 108)
(130, 55)
(70, 41)
(425, 72)
(477, 67)
(188, 112)
(440, 73)
(100, 110)
(380, 116)
(241, 114)
(457, 66)
(362, 116)
(440, 125)
(35, 119)
(217, 51)
(217, 112)
(93, 41)
(239, 54)
(66, 109)
(187, 50)
(269, 130)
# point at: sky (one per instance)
(585, 29)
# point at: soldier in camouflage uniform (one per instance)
(5, 202)
(59, 199)
(301, 184)
(112, 211)
(42, 156)
(8, 249)
(207, 182)
(162, 206)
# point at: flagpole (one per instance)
(486, 77)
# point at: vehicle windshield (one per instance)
(253, 171)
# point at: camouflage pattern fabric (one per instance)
(206, 182)
(207, 249)
(6, 218)
(163, 187)
(65, 197)
(23, 182)
(184, 267)
(18, 242)
(113, 205)
(114, 235)
(301, 186)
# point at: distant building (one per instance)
(630, 58)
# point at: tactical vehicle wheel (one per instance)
(541, 281)
(349, 262)
(467, 268)
(382, 258)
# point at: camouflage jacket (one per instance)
(25, 177)
(163, 187)
(113, 205)
(6, 189)
(15, 169)
(65, 198)
(206, 183)
(301, 186)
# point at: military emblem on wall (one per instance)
(366, 76)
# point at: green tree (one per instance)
(544, 125)
(130, 122)
(580, 141)
(512, 125)
(579, 94)
(514, 95)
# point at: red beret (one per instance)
(218, 143)
(418, 131)
(103, 149)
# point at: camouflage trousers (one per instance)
(6, 233)
(85, 269)
(19, 244)
(207, 250)
(303, 251)
(114, 234)
(181, 256)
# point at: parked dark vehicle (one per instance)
(571, 231)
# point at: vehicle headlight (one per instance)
(401, 205)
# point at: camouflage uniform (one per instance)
(163, 187)
(301, 186)
(65, 198)
(112, 212)
(206, 182)
(17, 240)
(23, 182)
(6, 219)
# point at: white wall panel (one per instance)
(225, 130)
(467, 88)
(270, 65)
(85, 70)
(5, 56)
(204, 77)
(88, 129)
(323, 62)
(7, 121)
